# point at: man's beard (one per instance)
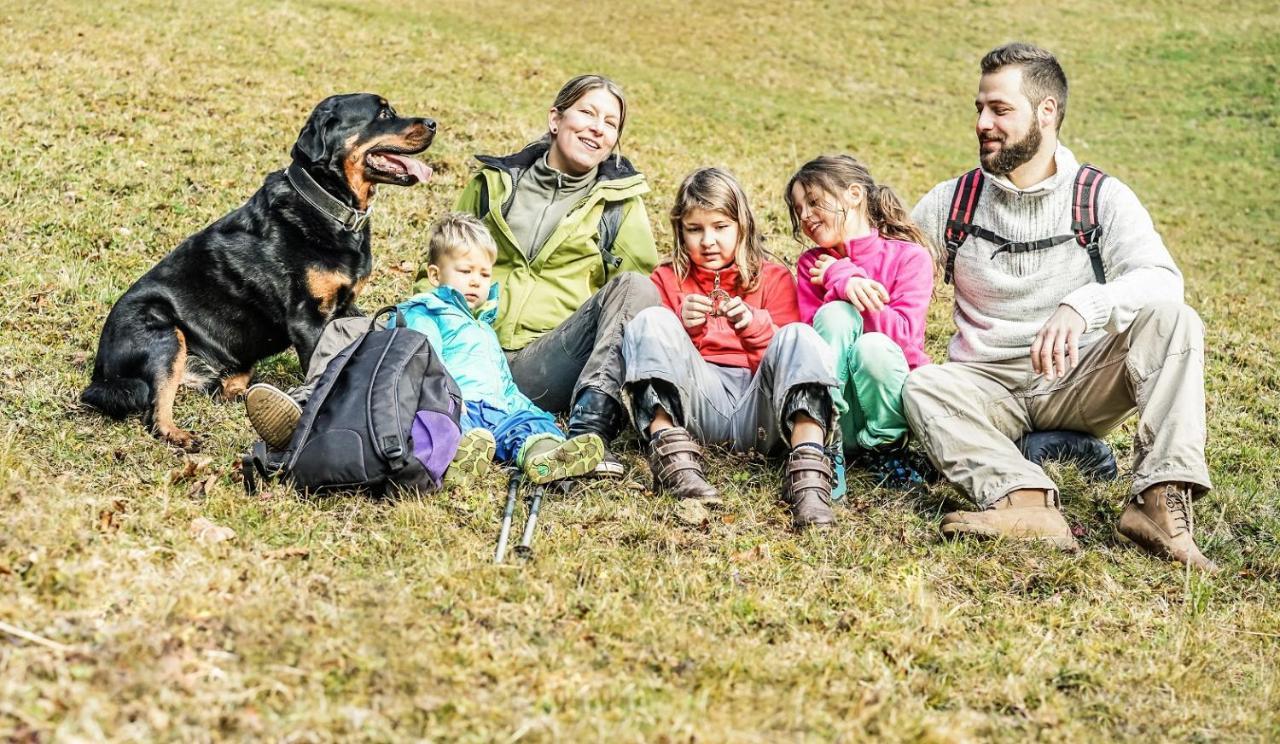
(1006, 160)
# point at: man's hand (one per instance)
(867, 295)
(694, 310)
(738, 313)
(819, 268)
(1056, 350)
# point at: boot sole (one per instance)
(570, 459)
(272, 414)
(960, 529)
(472, 459)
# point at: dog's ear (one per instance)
(313, 142)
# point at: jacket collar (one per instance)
(613, 168)
(444, 296)
(705, 279)
(1063, 160)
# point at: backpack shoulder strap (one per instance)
(1084, 216)
(607, 232)
(964, 200)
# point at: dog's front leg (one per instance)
(304, 335)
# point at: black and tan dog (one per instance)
(266, 276)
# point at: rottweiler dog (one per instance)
(266, 276)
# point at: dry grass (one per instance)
(128, 126)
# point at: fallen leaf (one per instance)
(201, 488)
(758, 553)
(192, 465)
(107, 517)
(209, 533)
(728, 519)
(290, 552)
(692, 512)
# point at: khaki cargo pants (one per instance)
(968, 415)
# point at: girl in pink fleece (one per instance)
(865, 288)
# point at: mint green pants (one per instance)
(870, 372)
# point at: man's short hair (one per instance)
(456, 233)
(1042, 76)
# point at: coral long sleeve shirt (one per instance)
(772, 303)
(906, 271)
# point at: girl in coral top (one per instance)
(724, 360)
(865, 287)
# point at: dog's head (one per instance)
(357, 140)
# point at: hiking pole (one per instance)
(504, 534)
(525, 548)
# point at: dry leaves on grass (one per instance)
(202, 530)
(760, 552)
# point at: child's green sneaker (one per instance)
(546, 458)
(471, 462)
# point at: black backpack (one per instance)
(383, 414)
(1085, 229)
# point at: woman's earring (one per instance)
(553, 130)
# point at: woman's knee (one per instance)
(638, 289)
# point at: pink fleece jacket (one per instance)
(906, 271)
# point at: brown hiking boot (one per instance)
(1024, 514)
(1159, 521)
(807, 489)
(676, 461)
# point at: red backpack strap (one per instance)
(964, 200)
(1084, 216)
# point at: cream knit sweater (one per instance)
(1002, 302)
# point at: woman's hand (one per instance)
(694, 310)
(867, 295)
(738, 313)
(819, 268)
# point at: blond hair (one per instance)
(716, 190)
(455, 234)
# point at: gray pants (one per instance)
(968, 415)
(728, 405)
(585, 351)
(335, 337)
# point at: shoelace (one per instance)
(1179, 507)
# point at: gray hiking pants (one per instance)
(728, 405)
(585, 351)
(336, 336)
(968, 415)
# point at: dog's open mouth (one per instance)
(397, 167)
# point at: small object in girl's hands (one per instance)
(718, 298)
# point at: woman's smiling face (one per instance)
(585, 133)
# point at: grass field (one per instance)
(127, 126)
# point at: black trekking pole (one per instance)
(525, 548)
(504, 534)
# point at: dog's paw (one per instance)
(233, 387)
(179, 438)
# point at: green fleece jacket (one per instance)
(541, 293)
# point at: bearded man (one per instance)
(1069, 315)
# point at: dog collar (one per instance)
(324, 202)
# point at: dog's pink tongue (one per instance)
(415, 168)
